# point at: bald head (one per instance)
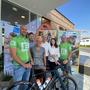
(23, 30)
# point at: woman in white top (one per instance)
(53, 54)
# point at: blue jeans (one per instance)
(20, 73)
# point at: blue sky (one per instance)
(78, 11)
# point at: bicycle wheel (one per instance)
(55, 85)
(19, 86)
(70, 83)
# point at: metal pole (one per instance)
(0, 31)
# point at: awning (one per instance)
(40, 7)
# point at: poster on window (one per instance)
(68, 42)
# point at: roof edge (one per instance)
(64, 16)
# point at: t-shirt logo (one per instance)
(24, 46)
(63, 51)
(13, 43)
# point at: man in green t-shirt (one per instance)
(65, 51)
(22, 61)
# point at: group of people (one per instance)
(34, 51)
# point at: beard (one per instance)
(24, 34)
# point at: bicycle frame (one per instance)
(56, 75)
(55, 78)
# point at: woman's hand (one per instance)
(57, 63)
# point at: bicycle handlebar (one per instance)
(57, 67)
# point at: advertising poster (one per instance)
(73, 38)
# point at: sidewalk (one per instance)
(83, 81)
(84, 64)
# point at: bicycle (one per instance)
(58, 82)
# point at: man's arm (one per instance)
(69, 55)
(17, 59)
(14, 56)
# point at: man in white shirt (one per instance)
(47, 47)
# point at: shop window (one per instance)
(13, 13)
(33, 16)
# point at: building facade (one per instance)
(12, 14)
(57, 21)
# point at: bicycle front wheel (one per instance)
(56, 85)
(70, 83)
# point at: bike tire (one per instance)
(65, 80)
(68, 80)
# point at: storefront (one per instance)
(13, 15)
